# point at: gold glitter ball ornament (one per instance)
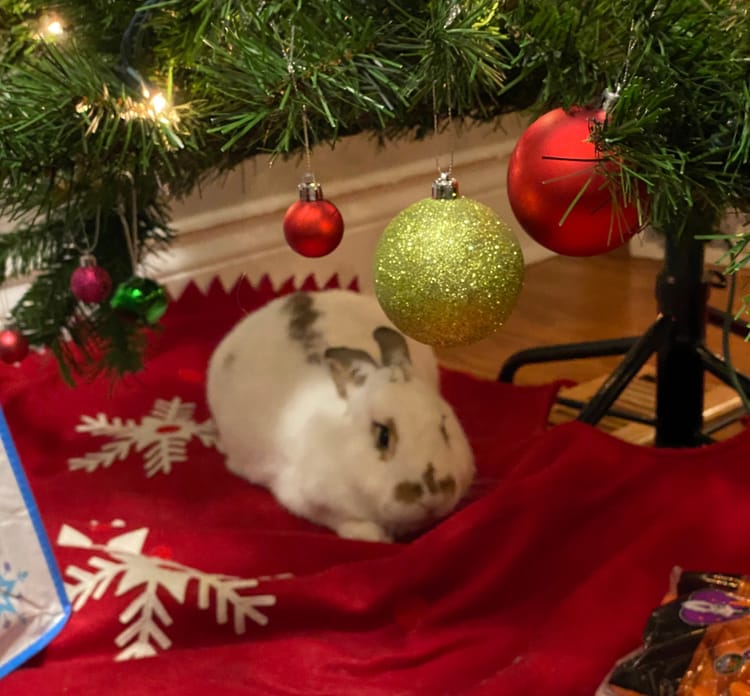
(448, 271)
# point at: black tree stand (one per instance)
(678, 339)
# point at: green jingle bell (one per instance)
(141, 297)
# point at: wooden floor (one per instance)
(580, 299)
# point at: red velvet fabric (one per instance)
(535, 586)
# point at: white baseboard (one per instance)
(234, 227)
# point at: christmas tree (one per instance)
(113, 110)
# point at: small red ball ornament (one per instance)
(89, 282)
(14, 346)
(313, 226)
(557, 192)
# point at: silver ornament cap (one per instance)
(309, 189)
(445, 187)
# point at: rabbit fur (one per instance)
(361, 444)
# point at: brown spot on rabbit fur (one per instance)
(429, 479)
(444, 432)
(301, 325)
(344, 364)
(408, 492)
(445, 485)
(412, 491)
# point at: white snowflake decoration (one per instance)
(162, 436)
(146, 618)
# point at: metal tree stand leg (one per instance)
(677, 337)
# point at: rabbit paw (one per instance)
(362, 530)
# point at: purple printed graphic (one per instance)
(705, 607)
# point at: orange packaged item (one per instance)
(697, 643)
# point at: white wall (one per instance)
(235, 225)
(650, 245)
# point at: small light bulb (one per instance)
(158, 103)
(50, 26)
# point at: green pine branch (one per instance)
(78, 136)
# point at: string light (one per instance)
(157, 102)
(153, 106)
(55, 27)
(51, 27)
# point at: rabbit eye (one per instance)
(384, 438)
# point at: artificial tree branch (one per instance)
(75, 121)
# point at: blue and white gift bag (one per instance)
(33, 603)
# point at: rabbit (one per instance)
(302, 407)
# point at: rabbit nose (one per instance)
(444, 486)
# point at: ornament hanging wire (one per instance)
(436, 129)
(305, 120)
(445, 187)
(87, 248)
(610, 96)
(309, 189)
(130, 229)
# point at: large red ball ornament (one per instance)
(557, 192)
(14, 346)
(313, 226)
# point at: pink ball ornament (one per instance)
(89, 282)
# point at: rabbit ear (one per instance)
(393, 349)
(349, 367)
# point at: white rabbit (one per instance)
(303, 408)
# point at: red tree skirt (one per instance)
(536, 586)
